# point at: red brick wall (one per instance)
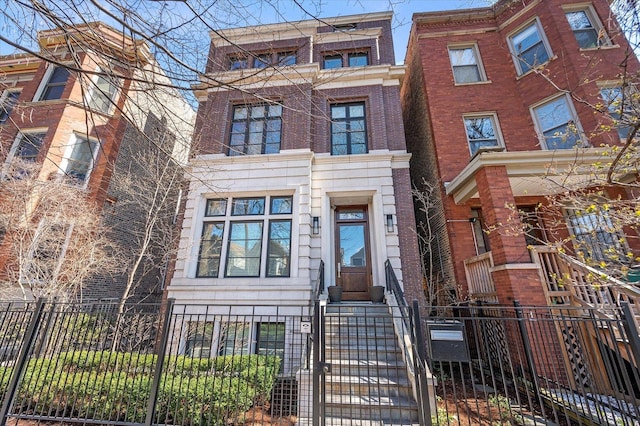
(506, 94)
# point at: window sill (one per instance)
(539, 67)
(604, 47)
(475, 83)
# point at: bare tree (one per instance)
(53, 238)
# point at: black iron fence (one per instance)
(171, 364)
(254, 365)
(524, 365)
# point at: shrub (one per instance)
(115, 386)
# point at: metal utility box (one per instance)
(447, 341)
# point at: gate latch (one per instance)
(325, 367)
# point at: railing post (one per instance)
(419, 360)
(316, 369)
(28, 341)
(631, 329)
(527, 346)
(157, 374)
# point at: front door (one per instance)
(353, 269)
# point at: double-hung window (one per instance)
(348, 129)
(586, 28)
(103, 94)
(8, 100)
(256, 129)
(79, 158)
(482, 132)
(238, 230)
(557, 124)
(595, 235)
(529, 47)
(466, 64)
(55, 84)
(28, 146)
(619, 107)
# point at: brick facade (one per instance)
(435, 105)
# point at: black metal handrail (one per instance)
(418, 353)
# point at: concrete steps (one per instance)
(368, 382)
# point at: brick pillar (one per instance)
(514, 276)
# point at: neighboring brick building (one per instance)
(82, 112)
(498, 107)
(301, 160)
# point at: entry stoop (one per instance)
(368, 382)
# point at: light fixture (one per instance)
(315, 225)
(389, 223)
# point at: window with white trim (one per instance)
(79, 158)
(619, 103)
(238, 230)
(57, 79)
(529, 47)
(482, 132)
(103, 93)
(465, 61)
(28, 146)
(8, 101)
(199, 339)
(557, 124)
(586, 28)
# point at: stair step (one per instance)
(392, 368)
(369, 386)
(356, 309)
(339, 421)
(371, 408)
(366, 355)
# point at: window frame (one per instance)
(482, 76)
(46, 84)
(348, 120)
(574, 117)
(345, 57)
(11, 157)
(493, 117)
(13, 95)
(76, 140)
(248, 120)
(594, 20)
(96, 94)
(265, 219)
(515, 56)
(599, 233)
(237, 62)
(616, 113)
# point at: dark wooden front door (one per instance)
(353, 269)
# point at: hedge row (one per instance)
(116, 386)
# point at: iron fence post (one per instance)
(527, 346)
(316, 368)
(419, 361)
(28, 341)
(631, 328)
(157, 374)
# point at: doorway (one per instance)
(353, 262)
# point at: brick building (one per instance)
(499, 115)
(81, 113)
(302, 161)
